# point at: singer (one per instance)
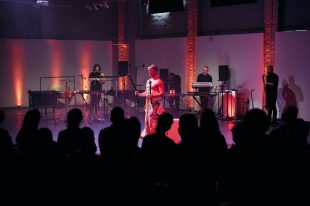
(271, 87)
(154, 91)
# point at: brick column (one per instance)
(270, 28)
(192, 28)
(123, 50)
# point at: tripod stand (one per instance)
(134, 85)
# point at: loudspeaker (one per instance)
(223, 73)
(216, 3)
(160, 6)
(122, 68)
(163, 74)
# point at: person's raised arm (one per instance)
(140, 94)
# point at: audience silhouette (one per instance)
(263, 166)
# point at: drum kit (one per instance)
(65, 95)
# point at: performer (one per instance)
(154, 104)
(204, 77)
(95, 88)
(271, 87)
(174, 88)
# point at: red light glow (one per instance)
(56, 58)
(17, 68)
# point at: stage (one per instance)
(14, 119)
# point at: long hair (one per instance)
(96, 65)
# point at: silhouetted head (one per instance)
(299, 130)
(6, 143)
(74, 117)
(188, 126)
(290, 114)
(132, 128)
(44, 137)
(208, 121)
(117, 115)
(239, 133)
(32, 119)
(86, 137)
(2, 116)
(256, 121)
(164, 123)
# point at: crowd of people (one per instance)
(258, 169)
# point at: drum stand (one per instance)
(63, 115)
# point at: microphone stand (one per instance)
(150, 83)
(83, 78)
(252, 90)
(134, 86)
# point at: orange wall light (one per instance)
(17, 69)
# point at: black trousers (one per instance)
(204, 102)
(174, 102)
(271, 107)
(94, 102)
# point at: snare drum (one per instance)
(65, 97)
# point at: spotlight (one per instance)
(42, 2)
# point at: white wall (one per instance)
(24, 61)
(293, 67)
(166, 53)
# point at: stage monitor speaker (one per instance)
(163, 74)
(229, 104)
(216, 3)
(122, 68)
(161, 6)
(223, 73)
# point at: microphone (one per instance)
(150, 83)
(143, 65)
(252, 90)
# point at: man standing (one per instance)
(154, 91)
(174, 87)
(204, 77)
(271, 87)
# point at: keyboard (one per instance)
(88, 92)
(201, 93)
(202, 85)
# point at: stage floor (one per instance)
(14, 119)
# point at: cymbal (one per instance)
(59, 87)
(65, 80)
